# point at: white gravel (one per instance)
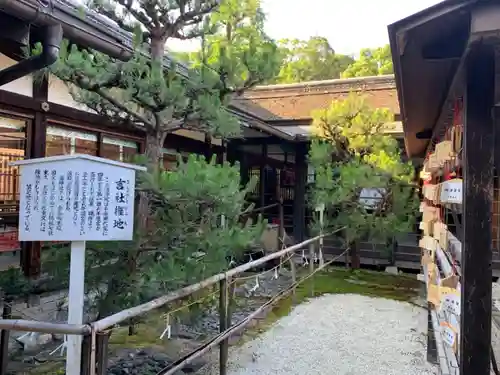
(340, 335)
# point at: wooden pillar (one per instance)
(299, 194)
(4, 337)
(231, 152)
(36, 143)
(244, 169)
(475, 335)
(432, 355)
(100, 144)
(208, 147)
(222, 153)
(262, 177)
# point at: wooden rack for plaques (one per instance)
(441, 210)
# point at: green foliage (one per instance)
(351, 152)
(371, 62)
(236, 47)
(179, 237)
(142, 93)
(13, 283)
(183, 241)
(309, 60)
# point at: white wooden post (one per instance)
(75, 305)
(76, 198)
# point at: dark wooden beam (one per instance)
(254, 160)
(232, 154)
(291, 122)
(10, 101)
(35, 148)
(262, 176)
(207, 146)
(257, 141)
(299, 198)
(244, 169)
(475, 335)
(178, 142)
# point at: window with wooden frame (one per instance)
(66, 141)
(119, 149)
(13, 146)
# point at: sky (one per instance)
(349, 25)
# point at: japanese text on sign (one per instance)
(60, 202)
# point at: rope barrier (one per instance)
(182, 362)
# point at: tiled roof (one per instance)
(297, 101)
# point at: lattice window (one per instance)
(12, 148)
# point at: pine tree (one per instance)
(350, 153)
(184, 243)
(145, 94)
(179, 237)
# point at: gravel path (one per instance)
(340, 335)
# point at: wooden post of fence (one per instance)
(4, 338)
(311, 266)
(86, 349)
(230, 301)
(223, 326)
(102, 342)
(394, 249)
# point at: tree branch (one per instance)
(138, 14)
(84, 84)
(187, 18)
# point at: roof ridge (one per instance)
(336, 81)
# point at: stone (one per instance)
(195, 366)
(161, 357)
(391, 270)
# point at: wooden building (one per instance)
(288, 108)
(40, 118)
(446, 61)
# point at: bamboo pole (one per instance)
(184, 292)
(43, 327)
(231, 331)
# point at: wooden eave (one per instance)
(427, 50)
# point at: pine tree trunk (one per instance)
(154, 145)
